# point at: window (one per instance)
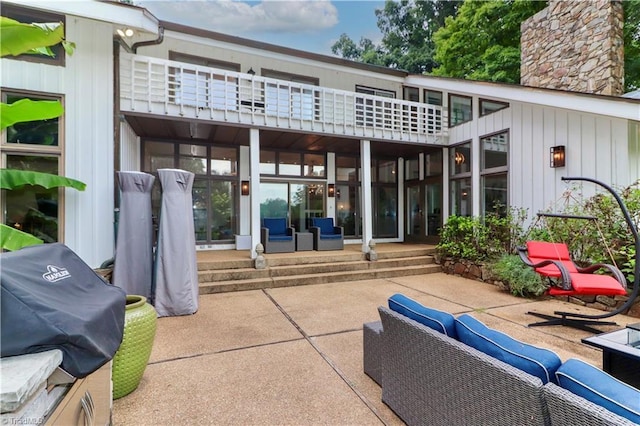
(411, 94)
(412, 169)
(375, 92)
(459, 109)
(347, 196)
(433, 163)
(487, 106)
(494, 172)
(29, 16)
(283, 163)
(460, 166)
(432, 97)
(34, 146)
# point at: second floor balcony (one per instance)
(153, 86)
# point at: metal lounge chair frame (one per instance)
(572, 277)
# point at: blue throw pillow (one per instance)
(538, 362)
(600, 388)
(440, 321)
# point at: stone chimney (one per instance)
(574, 45)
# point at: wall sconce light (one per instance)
(557, 156)
(251, 71)
(459, 158)
(244, 187)
(126, 32)
(331, 190)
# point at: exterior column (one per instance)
(367, 205)
(254, 188)
(446, 195)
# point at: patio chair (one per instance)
(553, 261)
(325, 235)
(276, 236)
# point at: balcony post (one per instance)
(367, 206)
(254, 188)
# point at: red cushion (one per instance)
(539, 251)
(590, 284)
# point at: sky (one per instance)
(309, 25)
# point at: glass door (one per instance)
(415, 223)
(298, 202)
(433, 206)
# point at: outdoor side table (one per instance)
(620, 353)
(304, 241)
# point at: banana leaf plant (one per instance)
(18, 38)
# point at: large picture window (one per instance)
(34, 146)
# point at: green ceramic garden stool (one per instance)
(131, 358)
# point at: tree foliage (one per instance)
(631, 44)
(17, 38)
(407, 28)
(482, 42)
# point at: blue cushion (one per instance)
(440, 321)
(280, 237)
(330, 236)
(600, 388)
(538, 362)
(325, 224)
(277, 226)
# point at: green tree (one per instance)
(482, 42)
(17, 38)
(631, 44)
(407, 27)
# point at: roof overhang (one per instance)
(118, 14)
(614, 106)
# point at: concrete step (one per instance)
(309, 269)
(320, 278)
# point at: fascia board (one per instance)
(593, 104)
(132, 17)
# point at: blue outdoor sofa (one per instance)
(439, 370)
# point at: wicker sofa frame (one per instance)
(430, 378)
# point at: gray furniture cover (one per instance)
(133, 269)
(176, 272)
(51, 299)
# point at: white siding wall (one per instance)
(86, 82)
(89, 140)
(129, 148)
(597, 146)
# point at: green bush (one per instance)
(477, 239)
(522, 280)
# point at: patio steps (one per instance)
(306, 268)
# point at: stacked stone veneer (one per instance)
(574, 45)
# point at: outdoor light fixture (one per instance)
(127, 32)
(459, 158)
(251, 71)
(557, 156)
(244, 187)
(331, 190)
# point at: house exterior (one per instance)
(272, 131)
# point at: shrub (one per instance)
(521, 279)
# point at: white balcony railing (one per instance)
(169, 88)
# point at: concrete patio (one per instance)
(293, 355)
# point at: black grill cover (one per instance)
(51, 299)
